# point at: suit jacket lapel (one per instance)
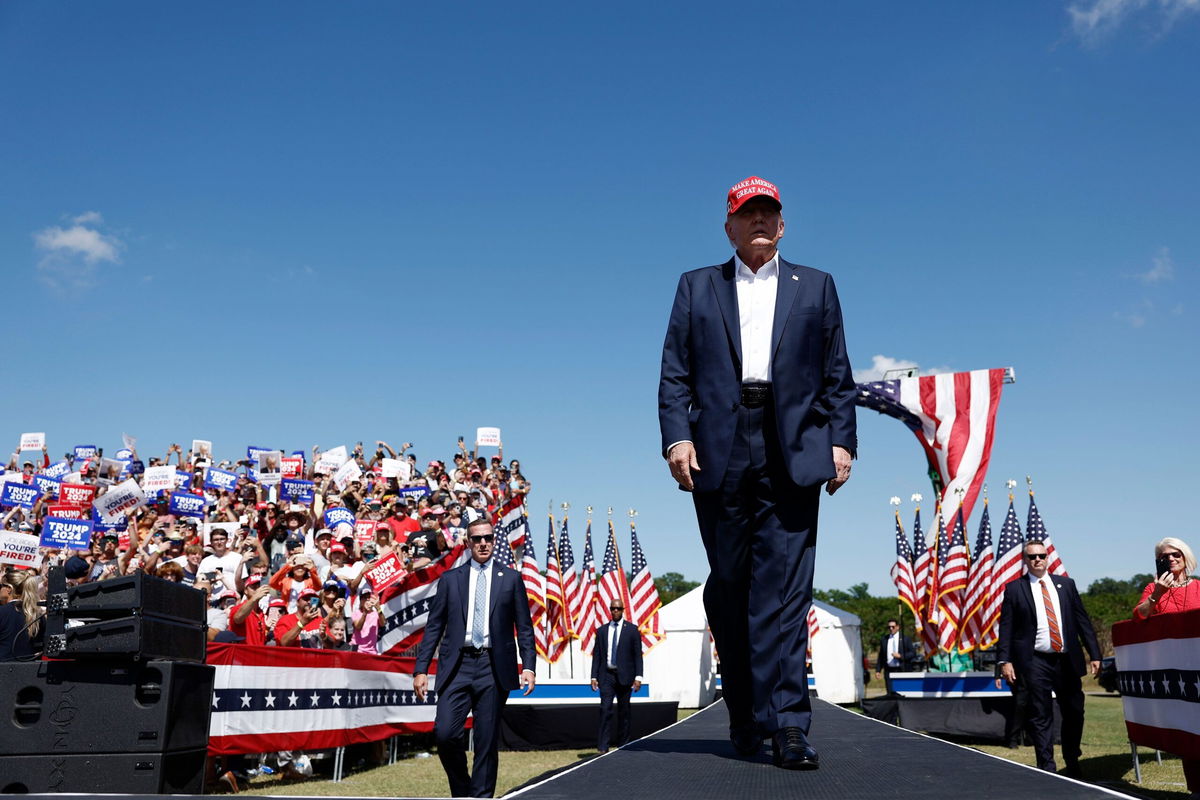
(495, 590)
(785, 295)
(464, 585)
(726, 292)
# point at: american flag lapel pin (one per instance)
(795, 278)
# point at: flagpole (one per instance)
(562, 590)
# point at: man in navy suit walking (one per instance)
(1042, 621)
(616, 672)
(473, 615)
(756, 408)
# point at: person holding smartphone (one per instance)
(1174, 589)
(292, 629)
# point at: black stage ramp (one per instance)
(860, 758)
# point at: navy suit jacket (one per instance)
(1018, 625)
(508, 609)
(628, 657)
(813, 386)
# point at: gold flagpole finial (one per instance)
(566, 506)
(1029, 481)
(610, 513)
(589, 511)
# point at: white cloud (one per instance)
(881, 365)
(1163, 269)
(1095, 20)
(70, 255)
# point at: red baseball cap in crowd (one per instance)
(253, 580)
(276, 604)
(307, 592)
(743, 191)
(337, 547)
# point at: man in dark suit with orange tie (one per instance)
(1042, 621)
(756, 410)
(473, 615)
(616, 672)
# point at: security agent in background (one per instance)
(472, 618)
(616, 672)
(756, 411)
(1042, 621)
(896, 653)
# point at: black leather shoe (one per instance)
(790, 750)
(746, 741)
(1072, 770)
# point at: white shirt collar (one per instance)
(767, 270)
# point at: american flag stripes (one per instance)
(612, 583)
(1009, 563)
(976, 630)
(953, 417)
(643, 594)
(951, 580)
(571, 588)
(591, 614)
(404, 606)
(922, 563)
(1035, 531)
(535, 590)
(510, 522)
(814, 625)
(902, 571)
(557, 635)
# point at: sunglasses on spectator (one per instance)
(1176, 555)
(487, 537)
(1036, 556)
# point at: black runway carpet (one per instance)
(860, 758)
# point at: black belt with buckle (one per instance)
(475, 652)
(755, 395)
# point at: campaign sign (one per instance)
(385, 572)
(415, 491)
(350, 471)
(20, 549)
(124, 454)
(137, 467)
(330, 460)
(19, 494)
(33, 441)
(297, 491)
(487, 437)
(111, 469)
(64, 534)
(119, 499)
(398, 468)
(364, 530)
(102, 525)
(47, 485)
(59, 469)
(253, 452)
(184, 504)
(336, 516)
(86, 451)
(182, 479)
(292, 466)
(159, 479)
(67, 511)
(77, 494)
(220, 479)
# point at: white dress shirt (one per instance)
(478, 574)
(614, 636)
(893, 650)
(756, 314)
(1041, 642)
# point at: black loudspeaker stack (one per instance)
(125, 709)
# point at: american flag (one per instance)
(1035, 531)
(814, 625)
(902, 571)
(923, 559)
(502, 552)
(557, 635)
(590, 615)
(975, 628)
(572, 591)
(404, 606)
(510, 522)
(953, 416)
(1009, 566)
(952, 579)
(612, 578)
(644, 594)
(535, 590)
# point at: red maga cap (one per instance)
(752, 187)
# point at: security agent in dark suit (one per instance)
(756, 409)
(473, 615)
(617, 676)
(896, 653)
(1042, 621)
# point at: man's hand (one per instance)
(1094, 667)
(420, 683)
(841, 464)
(595, 685)
(682, 461)
(527, 680)
(1008, 673)
(636, 685)
(877, 674)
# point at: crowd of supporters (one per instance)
(273, 573)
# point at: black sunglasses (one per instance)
(1036, 556)
(616, 608)
(487, 537)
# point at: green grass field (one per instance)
(1106, 761)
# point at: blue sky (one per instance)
(297, 224)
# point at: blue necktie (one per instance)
(477, 616)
